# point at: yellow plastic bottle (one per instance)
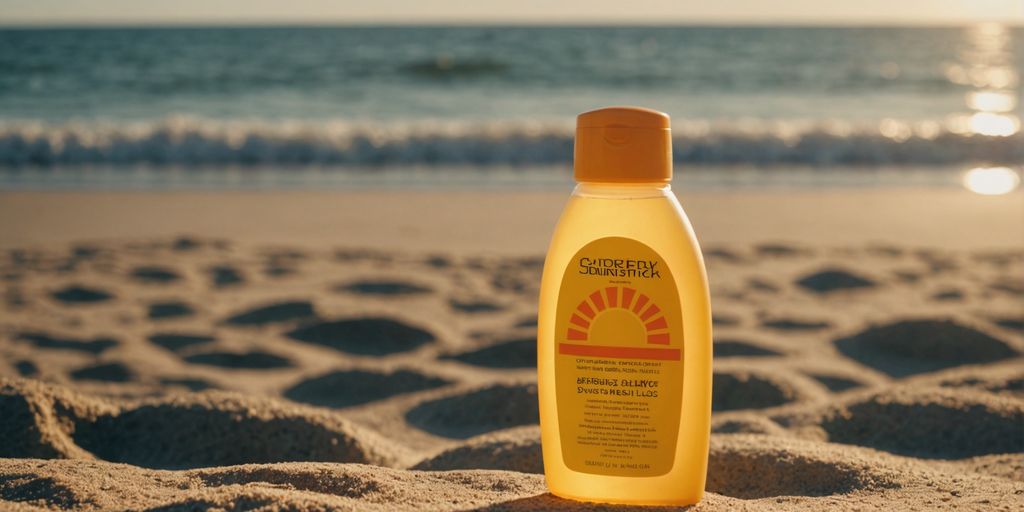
(624, 329)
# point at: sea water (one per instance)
(302, 103)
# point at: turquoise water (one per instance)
(360, 99)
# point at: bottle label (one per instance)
(618, 360)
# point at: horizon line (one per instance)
(300, 23)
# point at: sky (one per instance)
(230, 12)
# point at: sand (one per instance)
(366, 361)
(515, 222)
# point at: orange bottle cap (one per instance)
(623, 145)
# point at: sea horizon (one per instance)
(480, 96)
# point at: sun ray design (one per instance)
(655, 323)
(585, 308)
(627, 297)
(580, 321)
(641, 301)
(612, 292)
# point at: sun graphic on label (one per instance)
(616, 316)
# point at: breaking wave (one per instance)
(186, 141)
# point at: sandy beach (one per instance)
(508, 222)
(375, 350)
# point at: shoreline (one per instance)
(505, 222)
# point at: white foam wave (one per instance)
(185, 141)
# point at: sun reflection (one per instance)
(991, 181)
(993, 76)
(987, 65)
(993, 125)
(991, 101)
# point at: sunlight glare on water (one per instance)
(987, 57)
(991, 101)
(991, 181)
(992, 124)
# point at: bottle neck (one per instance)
(622, 190)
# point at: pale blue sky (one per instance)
(93, 12)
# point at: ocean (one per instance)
(354, 105)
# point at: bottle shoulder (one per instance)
(622, 191)
(639, 217)
(657, 222)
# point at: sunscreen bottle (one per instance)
(624, 329)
